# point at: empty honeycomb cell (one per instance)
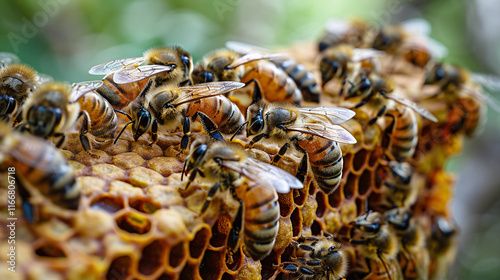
(165, 276)
(308, 211)
(152, 257)
(350, 186)
(220, 230)
(227, 276)
(199, 243)
(93, 223)
(211, 265)
(144, 205)
(234, 260)
(108, 171)
(128, 160)
(360, 160)
(299, 196)
(190, 271)
(92, 158)
(133, 223)
(91, 185)
(366, 181)
(360, 205)
(165, 165)
(285, 234)
(269, 264)
(296, 219)
(107, 203)
(145, 150)
(321, 202)
(143, 177)
(177, 255)
(312, 187)
(332, 221)
(50, 250)
(316, 228)
(119, 268)
(347, 159)
(285, 201)
(375, 156)
(335, 198)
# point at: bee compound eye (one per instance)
(208, 77)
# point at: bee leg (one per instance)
(281, 152)
(29, 210)
(186, 130)
(210, 127)
(211, 193)
(302, 171)
(379, 254)
(256, 139)
(344, 81)
(61, 139)
(84, 140)
(363, 102)
(237, 225)
(292, 267)
(257, 94)
(154, 133)
(379, 114)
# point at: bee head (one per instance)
(43, 120)
(142, 122)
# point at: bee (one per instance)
(409, 40)
(313, 131)
(322, 258)
(169, 108)
(374, 91)
(442, 246)
(341, 61)
(125, 78)
(401, 187)
(379, 242)
(40, 172)
(411, 238)
(17, 82)
(303, 78)
(252, 183)
(351, 32)
(254, 69)
(99, 117)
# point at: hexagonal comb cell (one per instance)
(143, 205)
(152, 257)
(119, 268)
(50, 250)
(177, 255)
(110, 204)
(133, 223)
(212, 263)
(198, 245)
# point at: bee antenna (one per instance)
(123, 129)
(184, 167)
(238, 130)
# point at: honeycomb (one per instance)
(137, 221)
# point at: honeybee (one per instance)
(351, 32)
(303, 78)
(411, 238)
(341, 61)
(99, 117)
(313, 131)
(48, 111)
(169, 108)
(17, 81)
(252, 183)
(125, 78)
(401, 187)
(254, 69)
(39, 170)
(409, 40)
(442, 247)
(379, 242)
(320, 258)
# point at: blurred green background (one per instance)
(65, 38)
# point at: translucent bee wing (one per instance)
(115, 65)
(199, 91)
(410, 104)
(335, 115)
(135, 74)
(81, 88)
(244, 48)
(254, 57)
(362, 54)
(417, 26)
(337, 26)
(7, 58)
(484, 97)
(44, 78)
(331, 132)
(265, 174)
